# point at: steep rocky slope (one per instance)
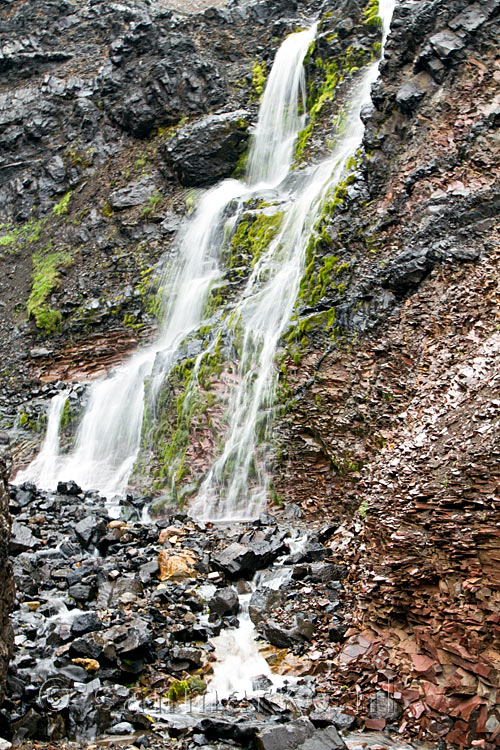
(91, 97)
(388, 420)
(396, 421)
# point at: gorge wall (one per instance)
(396, 420)
(389, 373)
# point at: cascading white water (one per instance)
(236, 484)
(108, 438)
(43, 466)
(280, 121)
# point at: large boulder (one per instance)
(6, 580)
(299, 735)
(254, 551)
(225, 602)
(203, 153)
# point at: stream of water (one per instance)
(108, 439)
(235, 486)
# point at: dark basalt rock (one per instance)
(6, 579)
(135, 194)
(409, 96)
(203, 153)
(294, 734)
(262, 601)
(139, 98)
(87, 622)
(242, 732)
(69, 488)
(22, 538)
(225, 602)
(283, 637)
(334, 715)
(241, 560)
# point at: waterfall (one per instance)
(108, 439)
(43, 466)
(279, 122)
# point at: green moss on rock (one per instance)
(252, 237)
(47, 268)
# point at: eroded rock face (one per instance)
(6, 580)
(395, 421)
(209, 150)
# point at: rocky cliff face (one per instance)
(91, 189)
(395, 421)
(389, 418)
(6, 580)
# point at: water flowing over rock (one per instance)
(308, 351)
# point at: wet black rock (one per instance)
(337, 631)
(278, 635)
(325, 572)
(262, 602)
(242, 732)
(446, 44)
(409, 96)
(291, 735)
(89, 530)
(183, 657)
(22, 538)
(253, 552)
(87, 622)
(334, 715)
(205, 152)
(69, 488)
(225, 602)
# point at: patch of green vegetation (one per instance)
(216, 299)
(151, 293)
(82, 159)
(324, 320)
(34, 422)
(107, 210)
(167, 132)
(151, 204)
(276, 498)
(61, 208)
(371, 14)
(67, 418)
(315, 284)
(252, 237)
(258, 78)
(168, 424)
(46, 278)
(191, 200)
(241, 165)
(363, 509)
(330, 74)
(179, 689)
(18, 236)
